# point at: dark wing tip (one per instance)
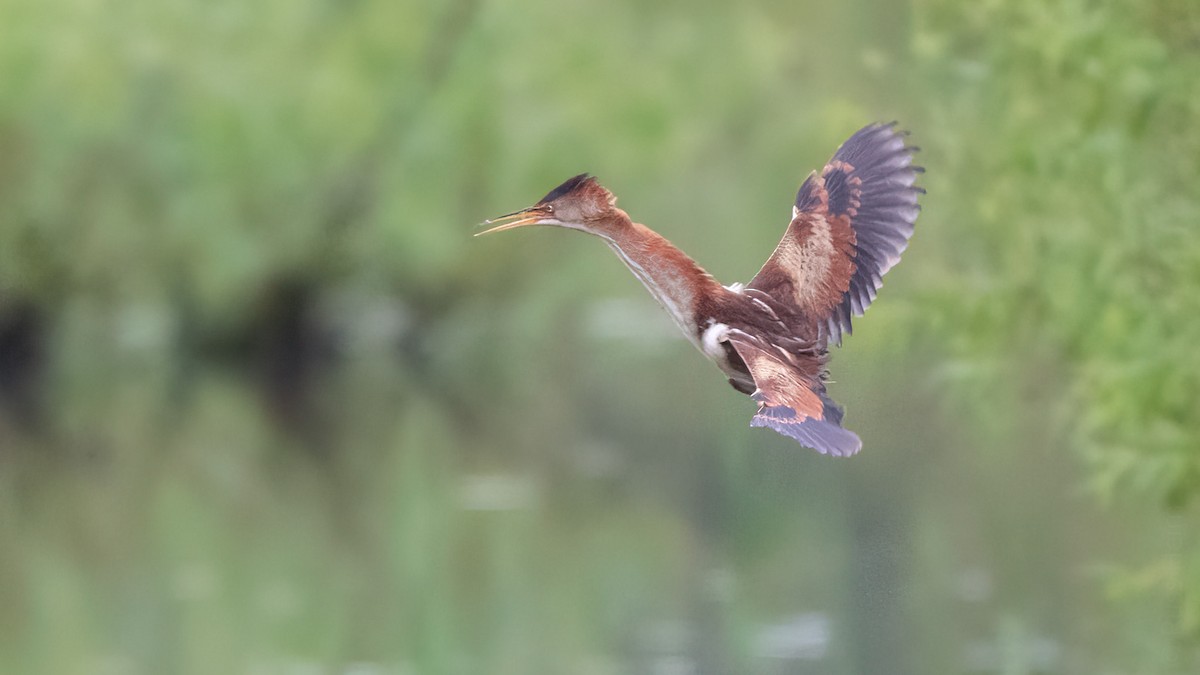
(569, 185)
(871, 182)
(886, 201)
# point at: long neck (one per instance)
(669, 274)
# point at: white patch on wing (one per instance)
(710, 341)
(713, 344)
(736, 287)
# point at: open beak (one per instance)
(529, 216)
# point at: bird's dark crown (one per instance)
(568, 186)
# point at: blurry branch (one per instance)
(22, 345)
(446, 41)
(351, 194)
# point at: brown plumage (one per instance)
(850, 223)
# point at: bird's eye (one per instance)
(550, 208)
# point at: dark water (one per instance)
(383, 517)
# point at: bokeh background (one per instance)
(267, 407)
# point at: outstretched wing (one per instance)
(849, 227)
(791, 396)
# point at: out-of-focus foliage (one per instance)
(1081, 173)
(507, 473)
(1080, 270)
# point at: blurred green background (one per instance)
(266, 407)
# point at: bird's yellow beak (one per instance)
(529, 216)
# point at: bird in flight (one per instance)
(771, 336)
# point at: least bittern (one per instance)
(770, 337)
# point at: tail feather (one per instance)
(824, 434)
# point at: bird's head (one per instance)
(580, 203)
